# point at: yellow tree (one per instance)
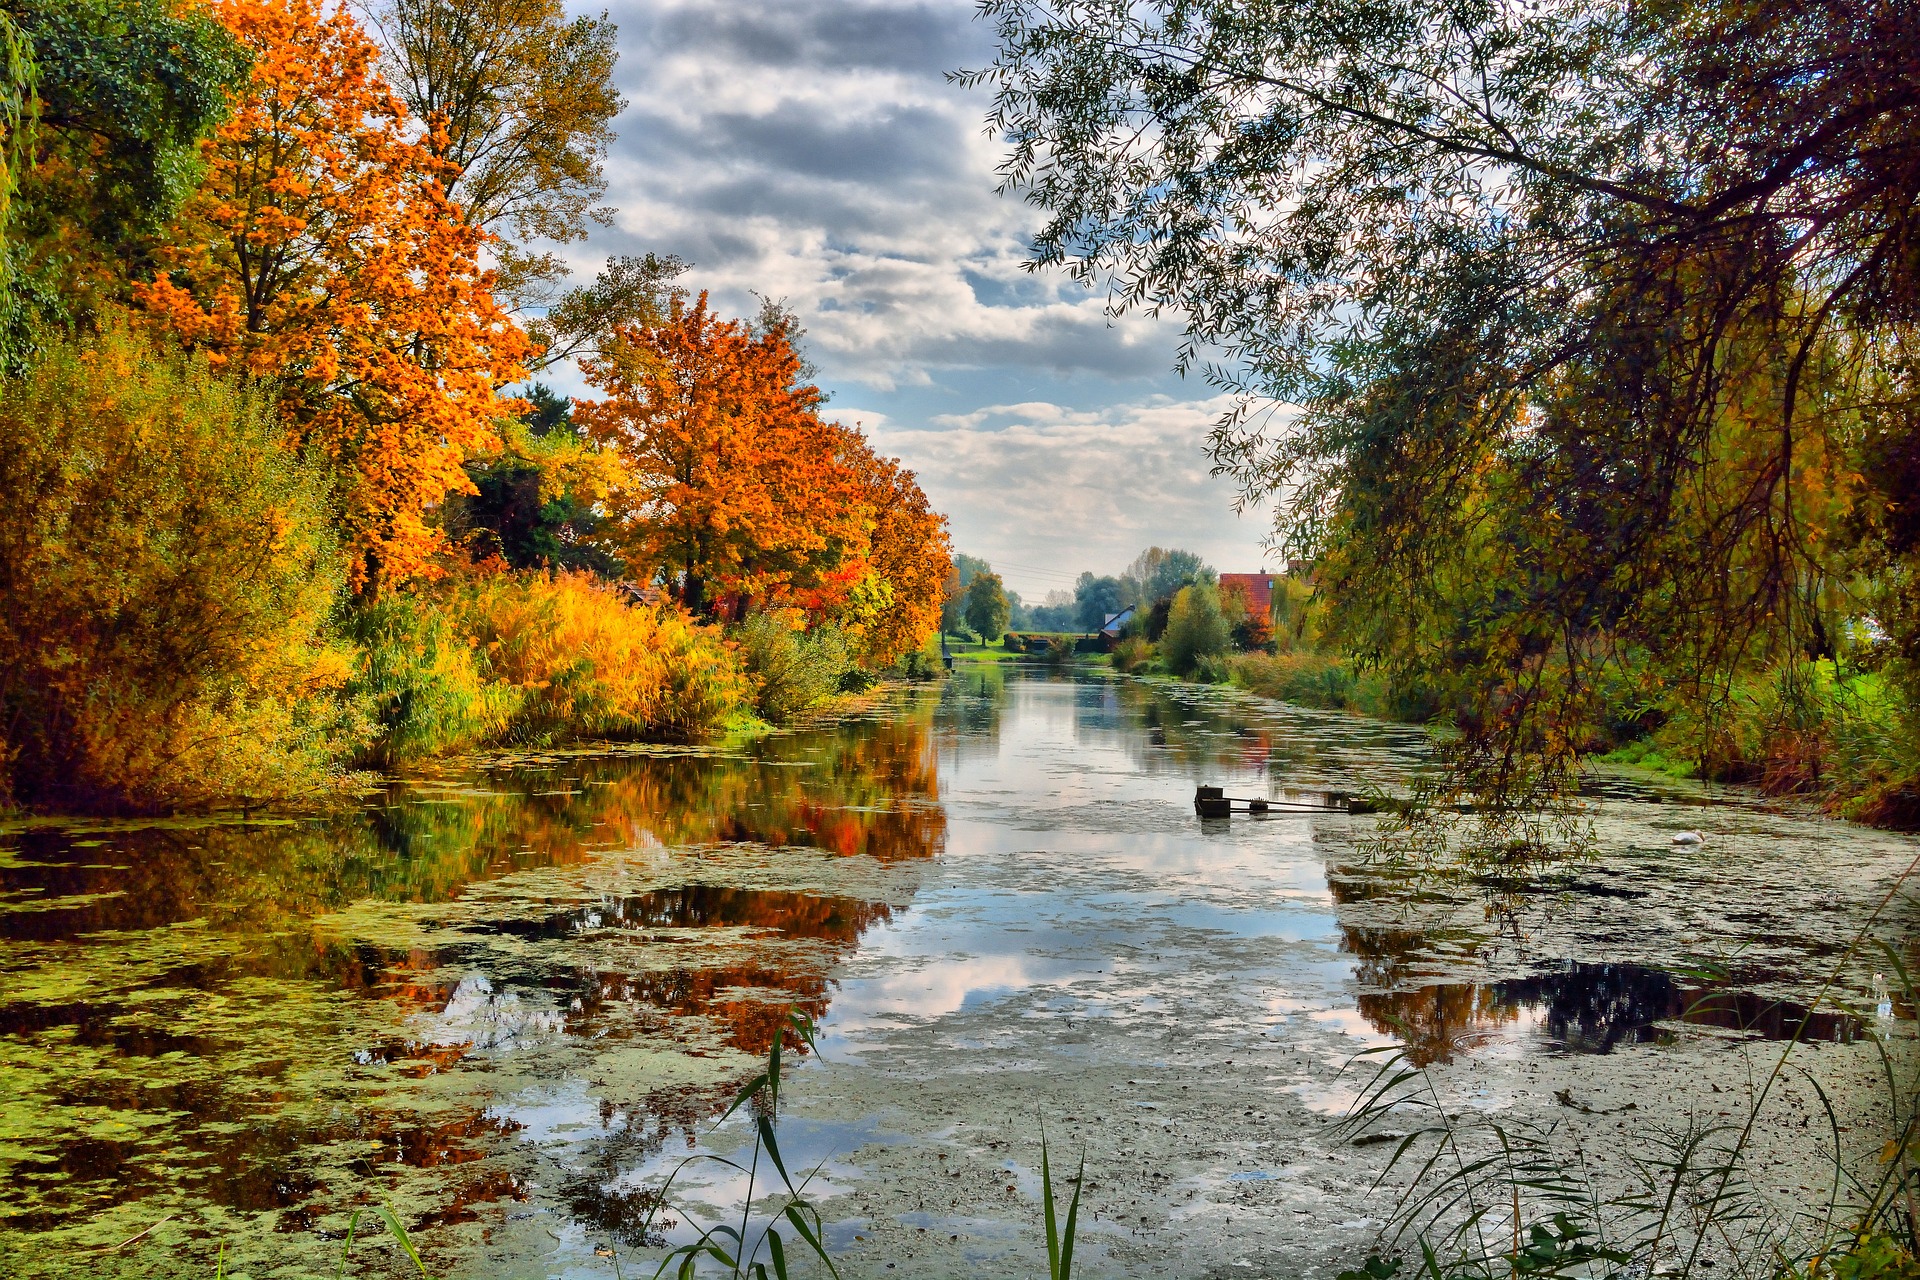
(322, 251)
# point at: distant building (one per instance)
(1110, 629)
(1259, 588)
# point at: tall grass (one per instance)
(535, 658)
(591, 664)
(1817, 728)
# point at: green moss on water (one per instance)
(247, 1029)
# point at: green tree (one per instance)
(1097, 599)
(1196, 628)
(1543, 280)
(517, 512)
(987, 606)
(953, 611)
(123, 93)
(1157, 573)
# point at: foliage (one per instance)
(792, 669)
(592, 664)
(1131, 654)
(533, 505)
(19, 116)
(104, 153)
(428, 691)
(520, 98)
(535, 658)
(168, 573)
(322, 251)
(1097, 599)
(732, 482)
(897, 603)
(958, 580)
(1597, 317)
(1822, 728)
(732, 491)
(1248, 627)
(1157, 573)
(1196, 629)
(987, 609)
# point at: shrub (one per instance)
(1310, 679)
(791, 669)
(1196, 629)
(535, 658)
(1131, 654)
(428, 691)
(588, 663)
(167, 573)
(1212, 668)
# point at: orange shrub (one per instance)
(594, 664)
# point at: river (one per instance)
(509, 995)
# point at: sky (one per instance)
(814, 151)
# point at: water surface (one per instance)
(508, 997)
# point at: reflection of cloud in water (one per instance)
(482, 1018)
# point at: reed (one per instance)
(1488, 1200)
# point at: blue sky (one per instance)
(812, 150)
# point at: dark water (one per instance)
(491, 995)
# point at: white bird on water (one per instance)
(1689, 837)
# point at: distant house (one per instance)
(1110, 629)
(1259, 588)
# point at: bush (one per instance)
(536, 658)
(1196, 629)
(1131, 654)
(1212, 668)
(428, 691)
(588, 663)
(1309, 679)
(168, 573)
(1812, 728)
(791, 669)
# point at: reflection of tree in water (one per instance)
(1587, 1008)
(246, 1015)
(971, 702)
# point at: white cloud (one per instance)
(1044, 491)
(813, 150)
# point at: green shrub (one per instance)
(791, 669)
(167, 574)
(1212, 668)
(1196, 629)
(1131, 654)
(428, 690)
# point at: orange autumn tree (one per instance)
(321, 252)
(733, 484)
(735, 487)
(907, 557)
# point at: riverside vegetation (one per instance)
(263, 304)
